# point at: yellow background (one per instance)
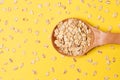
(21, 21)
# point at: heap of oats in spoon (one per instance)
(72, 37)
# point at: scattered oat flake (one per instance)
(15, 1)
(29, 30)
(94, 5)
(13, 50)
(113, 59)
(77, 8)
(36, 33)
(77, 79)
(95, 63)
(65, 71)
(72, 65)
(62, 56)
(36, 78)
(89, 16)
(16, 30)
(99, 17)
(115, 14)
(102, 20)
(47, 74)
(1, 78)
(53, 58)
(108, 62)
(59, 12)
(3, 69)
(67, 12)
(69, 1)
(12, 28)
(37, 58)
(39, 5)
(100, 7)
(59, 4)
(85, 73)
(97, 26)
(25, 40)
(33, 62)
(49, 9)
(94, 73)
(40, 15)
(106, 57)
(18, 45)
(107, 1)
(25, 19)
(89, 5)
(47, 21)
(63, 6)
(4, 39)
(52, 18)
(106, 10)
(118, 25)
(5, 63)
(1, 1)
(115, 75)
(52, 69)
(15, 8)
(106, 78)
(36, 21)
(78, 70)
(112, 47)
(74, 59)
(10, 60)
(47, 4)
(6, 22)
(99, 51)
(43, 56)
(37, 41)
(31, 12)
(49, 37)
(23, 52)
(1, 29)
(34, 53)
(8, 9)
(44, 30)
(90, 60)
(1, 51)
(109, 28)
(117, 2)
(100, 0)
(21, 65)
(34, 72)
(24, 9)
(1, 46)
(108, 68)
(55, 79)
(82, 1)
(46, 45)
(15, 68)
(16, 19)
(4, 9)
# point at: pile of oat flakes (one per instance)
(72, 37)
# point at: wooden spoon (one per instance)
(99, 38)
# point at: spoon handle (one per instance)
(111, 38)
